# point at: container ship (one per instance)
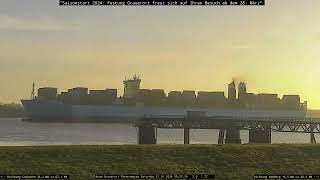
(82, 104)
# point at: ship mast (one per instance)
(32, 92)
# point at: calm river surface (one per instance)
(14, 131)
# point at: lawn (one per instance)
(225, 161)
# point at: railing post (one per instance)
(233, 134)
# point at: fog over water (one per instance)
(15, 132)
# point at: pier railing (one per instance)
(229, 126)
(278, 124)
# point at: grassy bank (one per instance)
(225, 161)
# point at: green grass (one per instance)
(225, 161)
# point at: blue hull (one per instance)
(47, 109)
(56, 110)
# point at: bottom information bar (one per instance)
(32, 176)
(154, 176)
(263, 176)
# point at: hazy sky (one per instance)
(274, 48)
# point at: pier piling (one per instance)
(147, 135)
(233, 134)
(186, 133)
(262, 135)
(312, 137)
(222, 133)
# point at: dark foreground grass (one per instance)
(225, 161)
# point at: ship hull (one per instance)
(47, 109)
(57, 111)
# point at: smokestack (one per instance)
(242, 90)
(232, 91)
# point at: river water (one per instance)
(16, 132)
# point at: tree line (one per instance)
(11, 110)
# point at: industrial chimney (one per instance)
(242, 90)
(232, 91)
